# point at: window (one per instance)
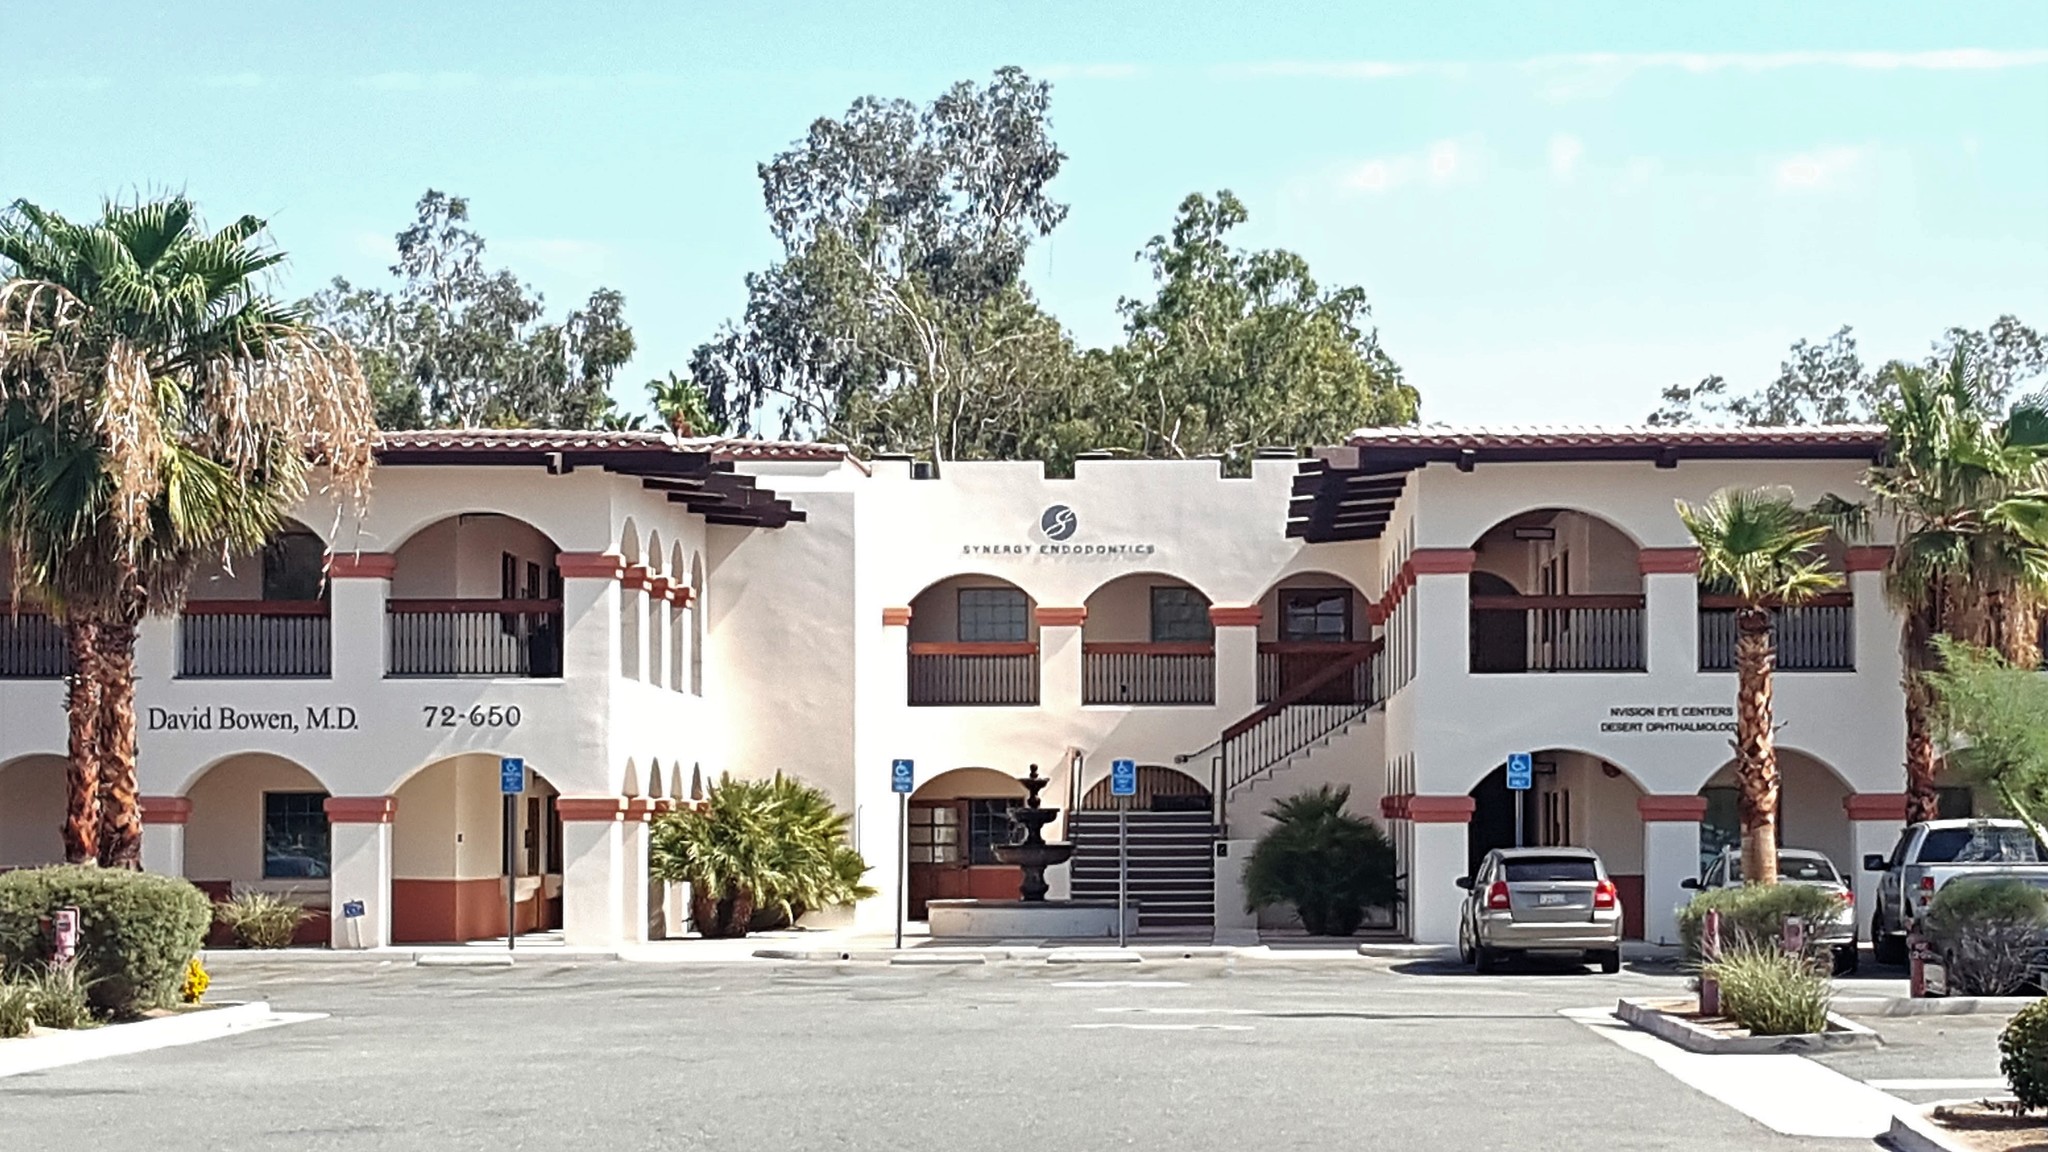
(1810, 869)
(1721, 827)
(1954, 804)
(1979, 843)
(998, 615)
(1537, 869)
(1180, 616)
(292, 564)
(934, 834)
(988, 824)
(1315, 615)
(295, 843)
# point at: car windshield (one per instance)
(1540, 868)
(1811, 869)
(1979, 844)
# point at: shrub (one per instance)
(1989, 933)
(774, 845)
(2023, 1056)
(1772, 992)
(1329, 864)
(136, 930)
(260, 920)
(17, 1009)
(1755, 914)
(193, 988)
(58, 996)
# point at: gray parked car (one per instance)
(1798, 866)
(1522, 900)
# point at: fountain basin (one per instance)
(1028, 919)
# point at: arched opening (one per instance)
(449, 846)
(678, 623)
(1575, 799)
(1817, 636)
(1315, 641)
(476, 594)
(259, 824)
(956, 820)
(262, 614)
(1160, 789)
(1811, 814)
(697, 610)
(1147, 640)
(657, 615)
(1568, 583)
(973, 641)
(632, 597)
(32, 809)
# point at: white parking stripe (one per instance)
(1788, 1094)
(1185, 1011)
(1937, 1085)
(1119, 984)
(1169, 1027)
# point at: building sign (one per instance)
(1057, 526)
(1648, 719)
(226, 718)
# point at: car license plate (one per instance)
(1550, 898)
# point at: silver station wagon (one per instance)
(1523, 900)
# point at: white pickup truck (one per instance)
(1934, 852)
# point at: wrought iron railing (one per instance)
(1818, 636)
(989, 673)
(255, 639)
(1294, 721)
(1120, 673)
(1285, 664)
(461, 638)
(1557, 634)
(32, 645)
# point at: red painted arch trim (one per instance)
(361, 565)
(1439, 809)
(1062, 617)
(591, 807)
(636, 576)
(166, 810)
(590, 565)
(1672, 809)
(1867, 558)
(361, 809)
(1668, 561)
(1875, 806)
(1442, 561)
(895, 617)
(641, 808)
(1245, 616)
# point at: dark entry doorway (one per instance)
(1493, 818)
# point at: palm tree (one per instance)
(682, 406)
(178, 410)
(1759, 547)
(1963, 489)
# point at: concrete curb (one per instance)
(1934, 1005)
(1410, 951)
(1914, 1130)
(1846, 1035)
(457, 960)
(58, 1049)
(927, 960)
(1094, 956)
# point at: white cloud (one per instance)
(1819, 169)
(1443, 162)
(1565, 153)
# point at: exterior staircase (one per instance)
(1172, 866)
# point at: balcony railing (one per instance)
(1285, 664)
(455, 638)
(1818, 636)
(1123, 673)
(31, 646)
(974, 673)
(254, 639)
(1557, 634)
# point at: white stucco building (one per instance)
(633, 616)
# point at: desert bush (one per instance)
(1770, 991)
(17, 1009)
(2023, 1056)
(1329, 864)
(1755, 914)
(1988, 932)
(137, 930)
(58, 997)
(261, 920)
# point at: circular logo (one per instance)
(1058, 523)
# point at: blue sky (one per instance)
(1556, 208)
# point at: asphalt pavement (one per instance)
(1192, 1056)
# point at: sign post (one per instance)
(902, 781)
(64, 922)
(1521, 775)
(512, 782)
(1123, 784)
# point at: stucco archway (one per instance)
(956, 817)
(448, 848)
(1577, 799)
(32, 807)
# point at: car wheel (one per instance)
(1464, 944)
(1846, 960)
(1610, 961)
(1885, 948)
(1484, 961)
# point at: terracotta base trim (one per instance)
(591, 807)
(1247, 616)
(1062, 617)
(895, 617)
(166, 810)
(1672, 809)
(361, 809)
(1875, 806)
(361, 565)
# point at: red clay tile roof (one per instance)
(516, 440)
(1568, 436)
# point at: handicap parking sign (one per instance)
(902, 776)
(511, 775)
(1123, 778)
(1521, 771)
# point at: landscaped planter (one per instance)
(1680, 1022)
(1966, 1126)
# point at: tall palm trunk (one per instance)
(81, 770)
(120, 799)
(1756, 761)
(1922, 762)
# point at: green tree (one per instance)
(459, 344)
(682, 405)
(1993, 720)
(1329, 864)
(1761, 548)
(1243, 349)
(156, 407)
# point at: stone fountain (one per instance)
(1031, 915)
(1033, 855)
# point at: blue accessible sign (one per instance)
(1123, 777)
(902, 776)
(511, 775)
(1521, 771)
